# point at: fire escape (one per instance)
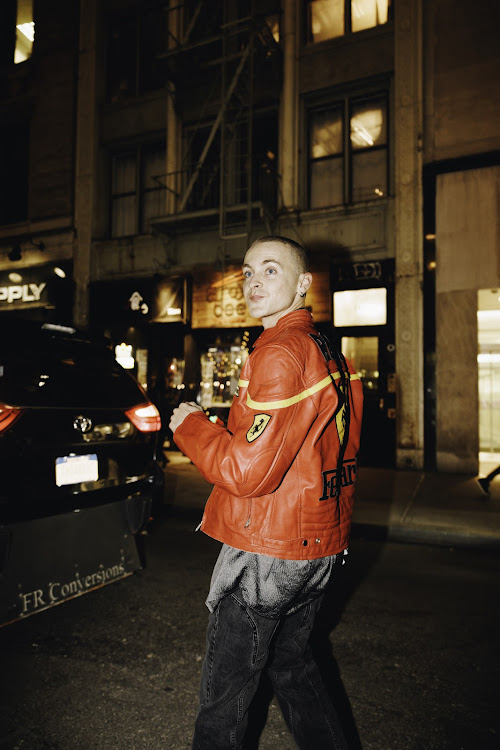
(226, 168)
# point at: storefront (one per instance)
(363, 320)
(146, 320)
(187, 339)
(43, 293)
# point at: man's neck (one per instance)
(271, 320)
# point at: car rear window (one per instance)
(38, 368)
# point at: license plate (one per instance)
(76, 469)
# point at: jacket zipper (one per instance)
(247, 522)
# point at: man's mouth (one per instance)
(256, 297)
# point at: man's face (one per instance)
(272, 283)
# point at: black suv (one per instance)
(78, 464)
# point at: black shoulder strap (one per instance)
(343, 388)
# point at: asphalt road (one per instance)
(415, 632)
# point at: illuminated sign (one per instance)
(21, 292)
(170, 300)
(137, 303)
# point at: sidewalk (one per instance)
(406, 506)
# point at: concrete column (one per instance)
(408, 129)
(85, 162)
(289, 108)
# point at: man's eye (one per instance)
(247, 274)
(271, 270)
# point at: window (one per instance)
(25, 31)
(14, 170)
(137, 38)
(348, 151)
(329, 19)
(237, 175)
(205, 192)
(362, 352)
(360, 307)
(137, 189)
(154, 194)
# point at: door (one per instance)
(363, 320)
(488, 366)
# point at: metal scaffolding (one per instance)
(222, 174)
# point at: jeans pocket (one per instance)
(262, 628)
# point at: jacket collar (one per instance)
(297, 319)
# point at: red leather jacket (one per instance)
(275, 466)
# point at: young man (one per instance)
(283, 472)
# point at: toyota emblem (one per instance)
(82, 424)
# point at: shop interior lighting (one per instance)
(59, 272)
(360, 307)
(123, 355)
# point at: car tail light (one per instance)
(145, 417)
(8, 415)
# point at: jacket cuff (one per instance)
(187, 434)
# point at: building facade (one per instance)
(147, 143)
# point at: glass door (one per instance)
(488, 366)
(366, 338)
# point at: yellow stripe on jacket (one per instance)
(285, 403)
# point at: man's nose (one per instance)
(255, 282)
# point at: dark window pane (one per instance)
(122, 60)
(124, 173)
(326, 183)
(124, 216)
(265, 159)
(153, 42)
(154, 194)
(153, 205)
(14, 169)
(369, 175)
(206, 189)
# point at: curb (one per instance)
(437, 537)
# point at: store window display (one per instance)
(220, 370)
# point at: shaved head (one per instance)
(297, 252)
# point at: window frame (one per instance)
(262, 188)
(15, 152)
(344, 99)
(348, 32)
(135, 16)
(141, 190)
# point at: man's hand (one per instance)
(181, 412)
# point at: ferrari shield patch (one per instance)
(260, 422)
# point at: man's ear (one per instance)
(305, 281)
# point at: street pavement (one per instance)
(397, 505)
(408, 638)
